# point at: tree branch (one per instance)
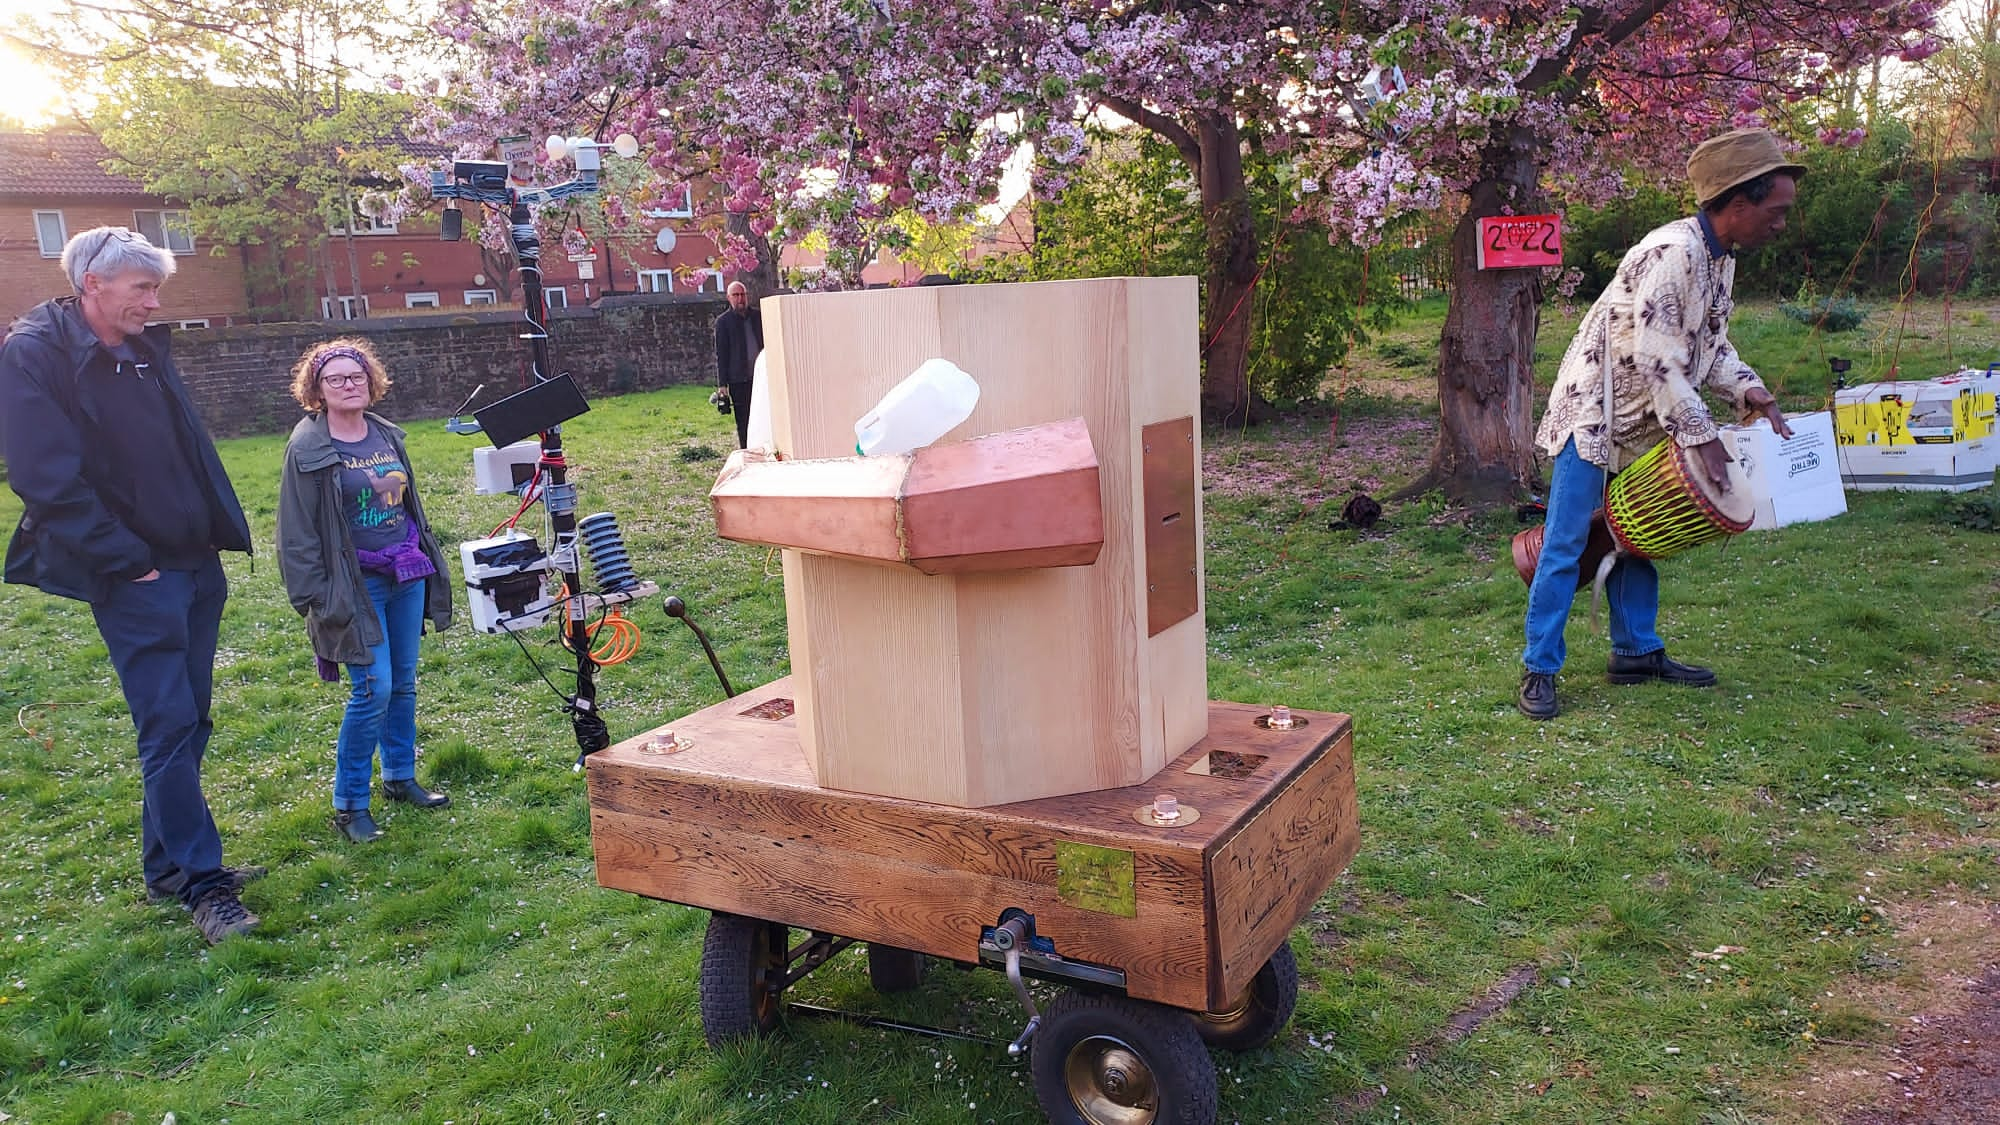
(1169, 129)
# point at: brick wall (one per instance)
(241, 377)
(204, 286)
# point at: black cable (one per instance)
(537, 666)
(592, 734)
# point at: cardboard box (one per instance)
(1930, 434)
(1932, 468)
(1795, 479)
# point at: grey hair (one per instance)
(111, 251)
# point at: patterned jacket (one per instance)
(1662, 327)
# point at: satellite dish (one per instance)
(666, 240)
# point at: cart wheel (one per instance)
(1261, 1009)
(894, 970)
(741, 958)
(1110, 1060)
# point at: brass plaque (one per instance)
(1096, 879)
(1173, 589)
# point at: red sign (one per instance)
(1513, 241)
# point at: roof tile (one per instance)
(49, 165)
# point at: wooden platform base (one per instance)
(729, 818)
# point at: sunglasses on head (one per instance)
(115, 234)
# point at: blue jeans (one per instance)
(382, 700)
(162, 636)
(1631, 593)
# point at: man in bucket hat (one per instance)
(1657, 337)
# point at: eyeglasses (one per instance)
(115, 234)
(345, 379)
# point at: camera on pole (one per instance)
(508, 576)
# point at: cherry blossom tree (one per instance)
(835, 115)
(1504, 103)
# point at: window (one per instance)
(366, 225)
(556, 297)
(168, 230)
(656, 281)
(203, 323)
(682, 210)
(343, 308)
(708, 281)
(420, 300)
(51, 233)
(481, 297)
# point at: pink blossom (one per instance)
(833, 116)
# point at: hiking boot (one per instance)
(410, 792)
(219, 914)
(1537, 698)
(1655, 666)
(169, 889)
(356, 825)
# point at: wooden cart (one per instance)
(1171, 931)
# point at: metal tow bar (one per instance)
(1008, 937)
(1014, 944)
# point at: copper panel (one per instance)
(1173, 589)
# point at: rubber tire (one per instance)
(736, 954)
(1267, 1006)
(894, 970)
(1164, 1039)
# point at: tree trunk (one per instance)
(353, 255)
(1486, 378)
(1232, 272)
(329, 276)
(499, 266)
(763, 280)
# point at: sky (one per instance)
(31, 95)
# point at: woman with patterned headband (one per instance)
(359, 561)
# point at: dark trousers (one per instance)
(162, 636)
(739, 403)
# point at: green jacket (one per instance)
(316, 556)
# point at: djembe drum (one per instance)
(1661, 505)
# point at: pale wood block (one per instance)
(844, 506)
(1015, 500)
(1034, 683)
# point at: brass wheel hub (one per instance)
(1109, 1083)
(766, 968)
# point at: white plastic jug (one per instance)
(758, 428)
(917, 411)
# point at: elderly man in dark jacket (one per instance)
(739, 336)
(125, 507)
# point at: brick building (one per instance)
(405, 267)
(53, 185)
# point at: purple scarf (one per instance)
(405, 560)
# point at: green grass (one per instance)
(466, 968)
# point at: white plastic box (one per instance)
(506, 469)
